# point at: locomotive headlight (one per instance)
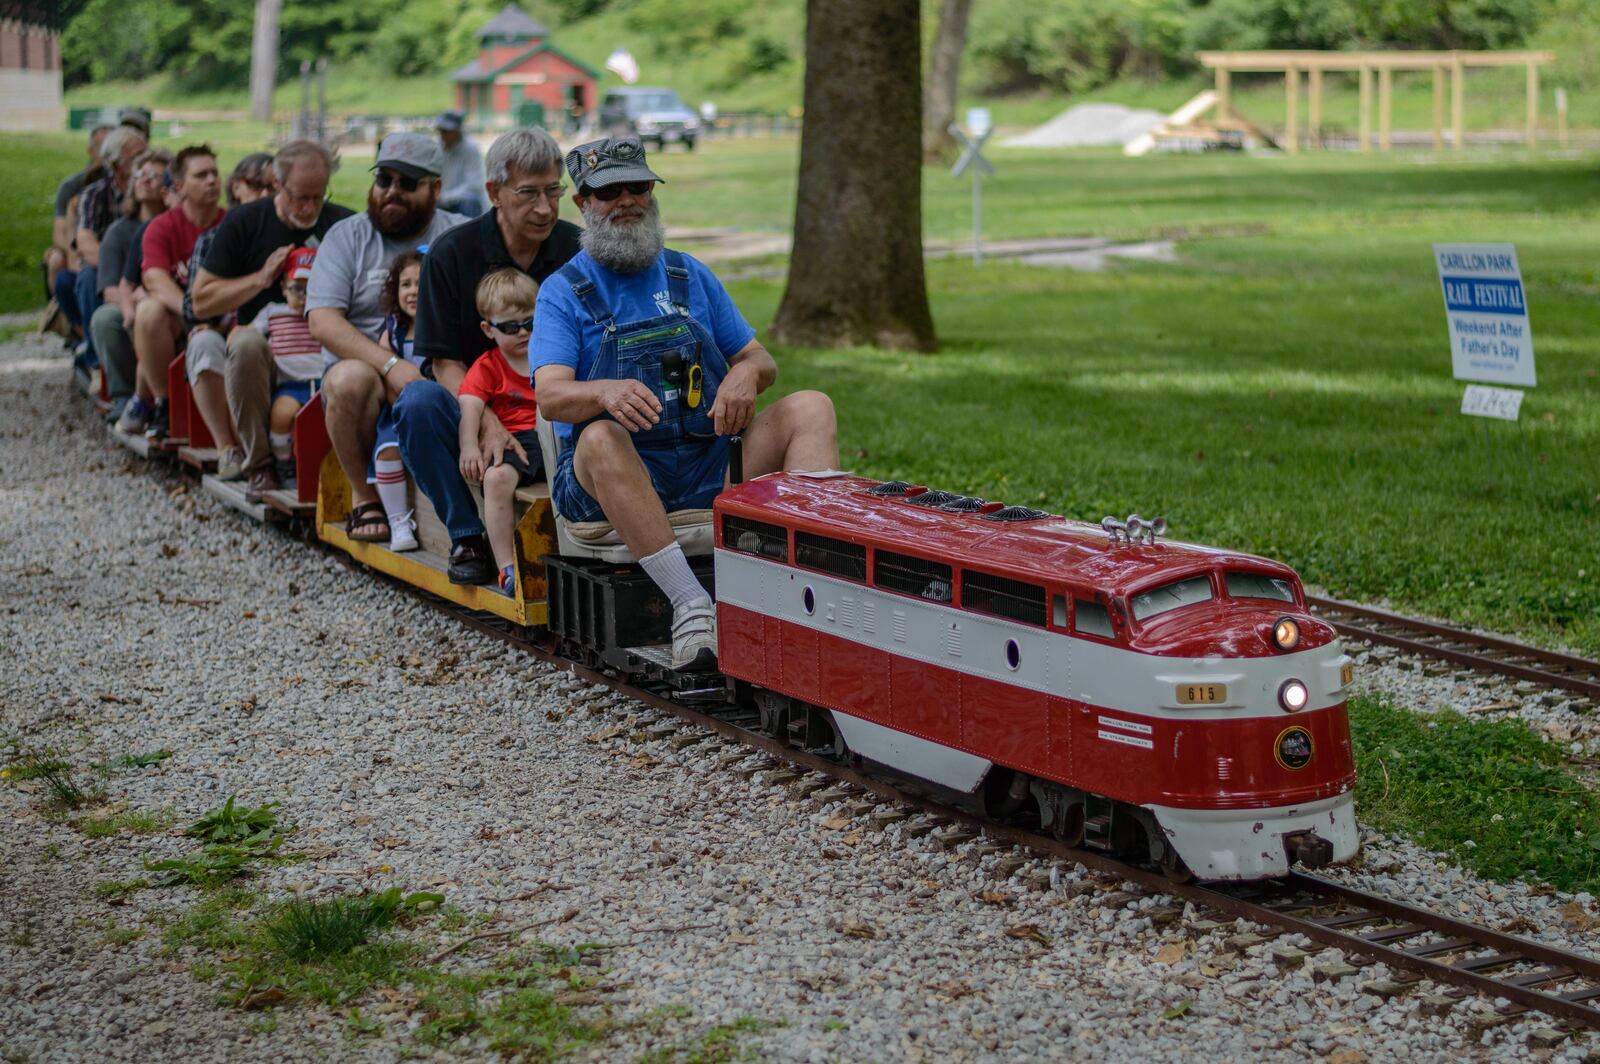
(1285, 633)
(1293, 696)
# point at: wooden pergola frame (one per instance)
(1364, 64)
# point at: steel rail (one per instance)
(1373, 927)
(1482, 653)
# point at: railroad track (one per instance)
(1481, 653)
(1418, 944)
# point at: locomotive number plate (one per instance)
(1201, 694)
(1346, 674)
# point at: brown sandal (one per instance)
(370, 515)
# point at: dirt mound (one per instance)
(1088, 125)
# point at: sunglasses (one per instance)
(611, 192)
(383, 179)
(512, 328)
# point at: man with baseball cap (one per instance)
(647, 434)
(345, 305)
(463, 168)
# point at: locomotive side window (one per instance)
(1058, 610)
(1159, 600)
(831, 556)
(1258, 585)
(1003, 597)
(1091, 619)
(912, 576)
(755, 537)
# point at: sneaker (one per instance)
(230, 464)
(403, 533)
(470, 562)
(262, 481)
(508, 581)
(135, 416)
(160, 423)
(284, 467)
(83, 373)
(694, 636)
(114, 414)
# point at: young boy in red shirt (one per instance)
(498, 380)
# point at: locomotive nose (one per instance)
(1308, 848)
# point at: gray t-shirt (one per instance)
(114, 251)
(353, 264)
(70, 186)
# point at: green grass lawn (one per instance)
(1285, 388)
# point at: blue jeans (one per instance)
(67, 296)
(428, 423)
(687, 476)
(87, 290)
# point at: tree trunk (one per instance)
(944, 77)
(855, 275)
(264, 59)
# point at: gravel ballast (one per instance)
(140, 615)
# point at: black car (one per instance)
(656, 116)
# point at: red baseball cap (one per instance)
(300, 261)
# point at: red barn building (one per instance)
(518, 72)
(30, 65)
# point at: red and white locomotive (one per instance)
(1162, 700)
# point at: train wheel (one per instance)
(1060, 810)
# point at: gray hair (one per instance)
(528, 150)
(297, 151)
(100, 130)
(118, 139)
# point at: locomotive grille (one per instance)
(932, 498)
(1003, 597)
(1016, 513)
(965, 504)
(912, 576)
(755, 537)
(890, 487)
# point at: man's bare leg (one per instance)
(154, 346)
(798, 431)
(351, 395)
(611, 471)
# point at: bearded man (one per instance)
(241, 274)
(520, 231)
(647, 433)
(346, 311)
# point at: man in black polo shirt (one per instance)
(521, 230)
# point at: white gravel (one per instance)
(412, 752)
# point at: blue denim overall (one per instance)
(676, 357)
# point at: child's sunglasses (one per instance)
(512, 328)
(611, 192)
(384, 178)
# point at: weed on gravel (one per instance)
(64, 794)
(132, 821)
(235, 839)
(1493, 794)
(523, 1006)
(724, 1043)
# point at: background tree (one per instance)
(944, 77)
(264, 59)
(855, 274)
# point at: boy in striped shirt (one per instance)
(296, 358)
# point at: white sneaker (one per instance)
(694, 636)
(403, 533)
(230, 464)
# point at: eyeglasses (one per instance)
(513, 328)
(611, 192)
(383, 179)
(531, 194)
(313, 199)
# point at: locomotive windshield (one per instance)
(1259, 586)
(1171, 596)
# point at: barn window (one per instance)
(1003, 597)
(912, 576)
(831, 556)
(755, 537)
(1091, 618)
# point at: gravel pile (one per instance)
(138, 615)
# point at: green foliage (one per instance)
(1492, 794)
(228, 824)
(215, 863)
(515, 1006)
(302, 930)
(133, 821)
(64, 794)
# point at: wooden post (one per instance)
(1458, 102)
(1364, 101)
(1224, 83)
(1291, 120)
(1561, 117)
(1314, 120)
(1438, 107)
(1533, 105)
(1385, 108)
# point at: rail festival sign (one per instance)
(1486, 307)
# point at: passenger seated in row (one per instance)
(296, 358)
(498, 380)
(386, 473)
(112, 323)
(649, 433)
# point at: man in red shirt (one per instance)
(158, 325)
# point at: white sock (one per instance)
(282, 445)
(391, 475)
(670, 570)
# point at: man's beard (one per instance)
(629, 248)
(400, 219)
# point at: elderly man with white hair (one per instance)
(520, 230)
